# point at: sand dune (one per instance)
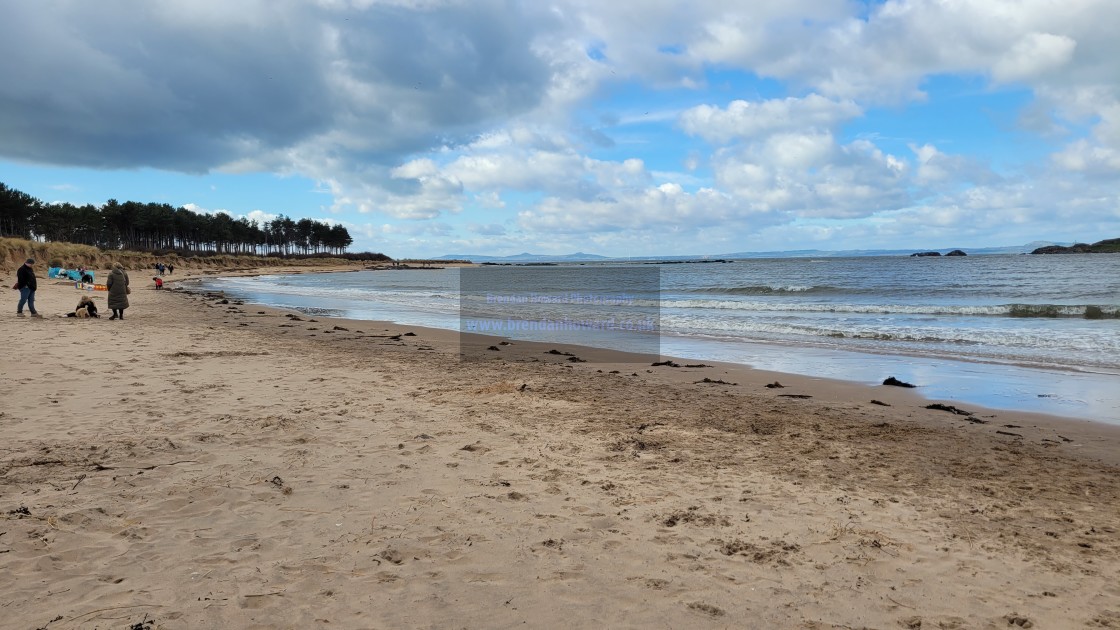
(210, 465)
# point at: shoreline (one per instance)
(1078, 395)
(283, 472)
(1096, 438)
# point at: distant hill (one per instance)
(526, 257)
(1107, 246)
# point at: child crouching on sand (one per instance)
(159, 282)
(85, 308)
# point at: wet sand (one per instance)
(209, 464)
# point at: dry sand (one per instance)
(209, 465)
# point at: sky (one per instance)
(621, 128)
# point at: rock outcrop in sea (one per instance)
(955, 252)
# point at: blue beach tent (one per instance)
(72, 274)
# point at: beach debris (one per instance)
(949, 408)
(575, 359)
(557, 352)
(794, 396)
(1009, 433)
(666, 363)
(694, 516)
(477, 447)
(890, 380)
(505, 343)
(696, 365)
(494, 348)
(20, 512)
(523, 387)
(410, 334)
(707, 609)
(144, 624)
(879, 402)
(294, 318)
(424, 436)
(392, 555)
(715, 382)
(223, 301)
(778, 551)
(774, 385)
(1018, 620)
(279, 483)
(341, 328)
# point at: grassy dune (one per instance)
(13, 251)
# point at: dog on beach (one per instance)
(85, 308)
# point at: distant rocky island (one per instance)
(1108, 246)
(955, 252)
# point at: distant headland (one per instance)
(1108, 246)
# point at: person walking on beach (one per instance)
(26, 284)
(118, 290)
(170, 269)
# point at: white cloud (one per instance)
(743, 120)
(417, 110)
(1085, 157)
(1034, 55)
(260, 217)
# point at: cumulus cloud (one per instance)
(194, 85)
(782, 157)
(420, 111)
(1033, 55)
(812, 175)
(744, 120)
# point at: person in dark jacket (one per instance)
(117, 284)
(26, 283)
(85, 304)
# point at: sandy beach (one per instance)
(211, 464)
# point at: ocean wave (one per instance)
(763, 289)
(1070, 345)
(1082, 311)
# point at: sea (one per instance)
(1018, 332)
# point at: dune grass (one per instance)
(13, 251)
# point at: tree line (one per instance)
(156, 227)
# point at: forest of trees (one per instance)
(155, 227)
